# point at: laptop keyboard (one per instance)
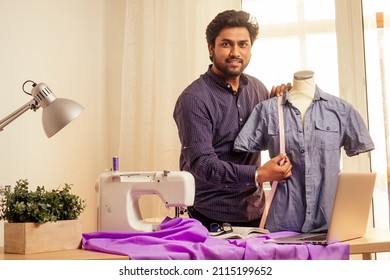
(314, 238)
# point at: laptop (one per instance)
(350, 212)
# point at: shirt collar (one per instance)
(222, 83)
(319, 94)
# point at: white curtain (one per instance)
(377, 52)
(165, 49)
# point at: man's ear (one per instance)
(211, 50)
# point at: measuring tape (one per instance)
(282, 147)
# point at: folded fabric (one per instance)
(188, 239)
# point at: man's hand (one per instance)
(280, 90)
(276, 169)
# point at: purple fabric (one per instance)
(187, 239)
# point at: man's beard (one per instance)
(225, 69)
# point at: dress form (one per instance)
(303, 89)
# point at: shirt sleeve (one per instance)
(253, 136)
(357, 138)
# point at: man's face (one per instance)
(231, 53)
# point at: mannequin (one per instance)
(315, 153)
(303, 90)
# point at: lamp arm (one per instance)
(32, 104)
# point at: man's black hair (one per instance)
(232, 18)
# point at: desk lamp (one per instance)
(57, 112)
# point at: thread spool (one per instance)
(115, 164)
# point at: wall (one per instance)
(115, 12)
(74, 47)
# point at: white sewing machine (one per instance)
(119, 194)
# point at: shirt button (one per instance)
(238, 105)
(302, 151)
(240, 119)
(300, 131)
(328, 128)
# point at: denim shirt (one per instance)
(304, 202)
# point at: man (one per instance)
(209, 115)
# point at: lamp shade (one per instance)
(58, 114)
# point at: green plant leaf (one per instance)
(39, 206)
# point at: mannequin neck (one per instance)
(303, 90)
(306, 88)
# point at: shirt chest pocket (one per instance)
(327, 135)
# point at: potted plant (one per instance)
(41, 220)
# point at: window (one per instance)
(376, 15)
(299, 36)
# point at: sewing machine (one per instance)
(119, 194)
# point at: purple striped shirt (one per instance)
(209, 115)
